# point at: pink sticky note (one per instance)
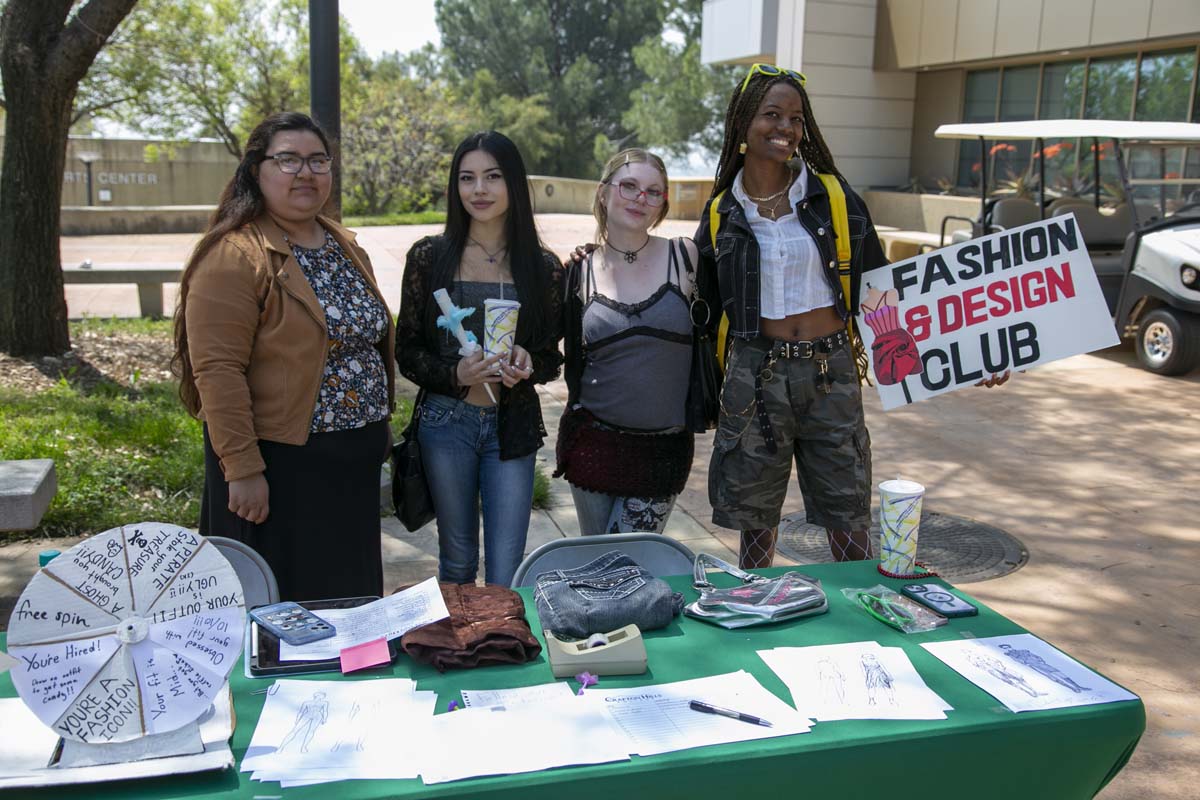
(368, 654)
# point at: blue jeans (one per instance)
(461, 453)
(607, 593)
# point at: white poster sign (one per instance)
(1006, 301)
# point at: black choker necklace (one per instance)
(630, 255)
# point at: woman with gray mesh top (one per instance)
(622, 442)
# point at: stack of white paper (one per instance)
(1027, 674)
(857, 680)
(658, 719)
(27, 746)
(525, 737)
(317, 731)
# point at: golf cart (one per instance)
(1146, 254)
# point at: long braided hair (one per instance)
(743, 105)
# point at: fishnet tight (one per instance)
(758, 547)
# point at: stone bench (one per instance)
(26, 489)
(148, 277)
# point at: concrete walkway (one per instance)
(1089, 461)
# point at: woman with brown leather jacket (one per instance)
(284, 350)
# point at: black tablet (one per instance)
(264, 647)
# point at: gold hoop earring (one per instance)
(742, 148)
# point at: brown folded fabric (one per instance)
(486, 626)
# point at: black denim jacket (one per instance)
(521, 430)
(728, 278)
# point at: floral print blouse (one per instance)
(354, 385)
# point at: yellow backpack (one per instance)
(841, 227)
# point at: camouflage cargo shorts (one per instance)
(824, 432)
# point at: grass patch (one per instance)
(409, 218)
(120, 456)
(541, 487)
(111, 326)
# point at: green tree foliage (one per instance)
(528, 121)
(680, 107)
(393, 144)
(576, 54)
(212, 67)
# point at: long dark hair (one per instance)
(241, 202)
(743, 105)
(524, 247)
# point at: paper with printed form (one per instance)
(856, 680)
(390, 617)
(522, 695)
(657, 719)
(1026, 674)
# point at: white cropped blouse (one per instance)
(790, 272)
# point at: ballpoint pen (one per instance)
(696, 705)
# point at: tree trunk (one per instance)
(33, 309)
(42, 59)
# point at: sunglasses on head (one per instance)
(770, 70)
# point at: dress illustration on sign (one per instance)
(894, 353)
(128, 633)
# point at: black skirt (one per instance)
(321, 537)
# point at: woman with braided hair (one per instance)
(769, 259)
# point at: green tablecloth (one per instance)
(981, 751)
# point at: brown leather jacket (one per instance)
(257, 341)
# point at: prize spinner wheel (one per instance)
(128, 633)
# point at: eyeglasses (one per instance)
(771, 70)
(291, 164)
(630, 191)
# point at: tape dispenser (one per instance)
(619, 652)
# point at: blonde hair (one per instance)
(632, 155)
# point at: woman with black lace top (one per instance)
(475, 447)
(622, 443)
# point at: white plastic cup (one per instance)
(899, 523)
(499, 326)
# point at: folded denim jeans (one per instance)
(603, 595)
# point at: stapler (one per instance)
(619, 652)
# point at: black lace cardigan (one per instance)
(521, 430)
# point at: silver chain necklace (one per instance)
(491, 257)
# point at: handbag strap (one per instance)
(704, 560)
(411, 430)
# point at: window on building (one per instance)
(979, 106)
(1109, 96)
(1110, 88)
(1158, 85)
(1062, 98)
(1164, 83)
(1062, 90)
(1018, 100)
(1163, 94)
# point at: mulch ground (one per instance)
(126, 359)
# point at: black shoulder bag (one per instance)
(410, 489)
(703, 405)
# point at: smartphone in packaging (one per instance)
(939, 599)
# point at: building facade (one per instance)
(883, 74)
(139, 172)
